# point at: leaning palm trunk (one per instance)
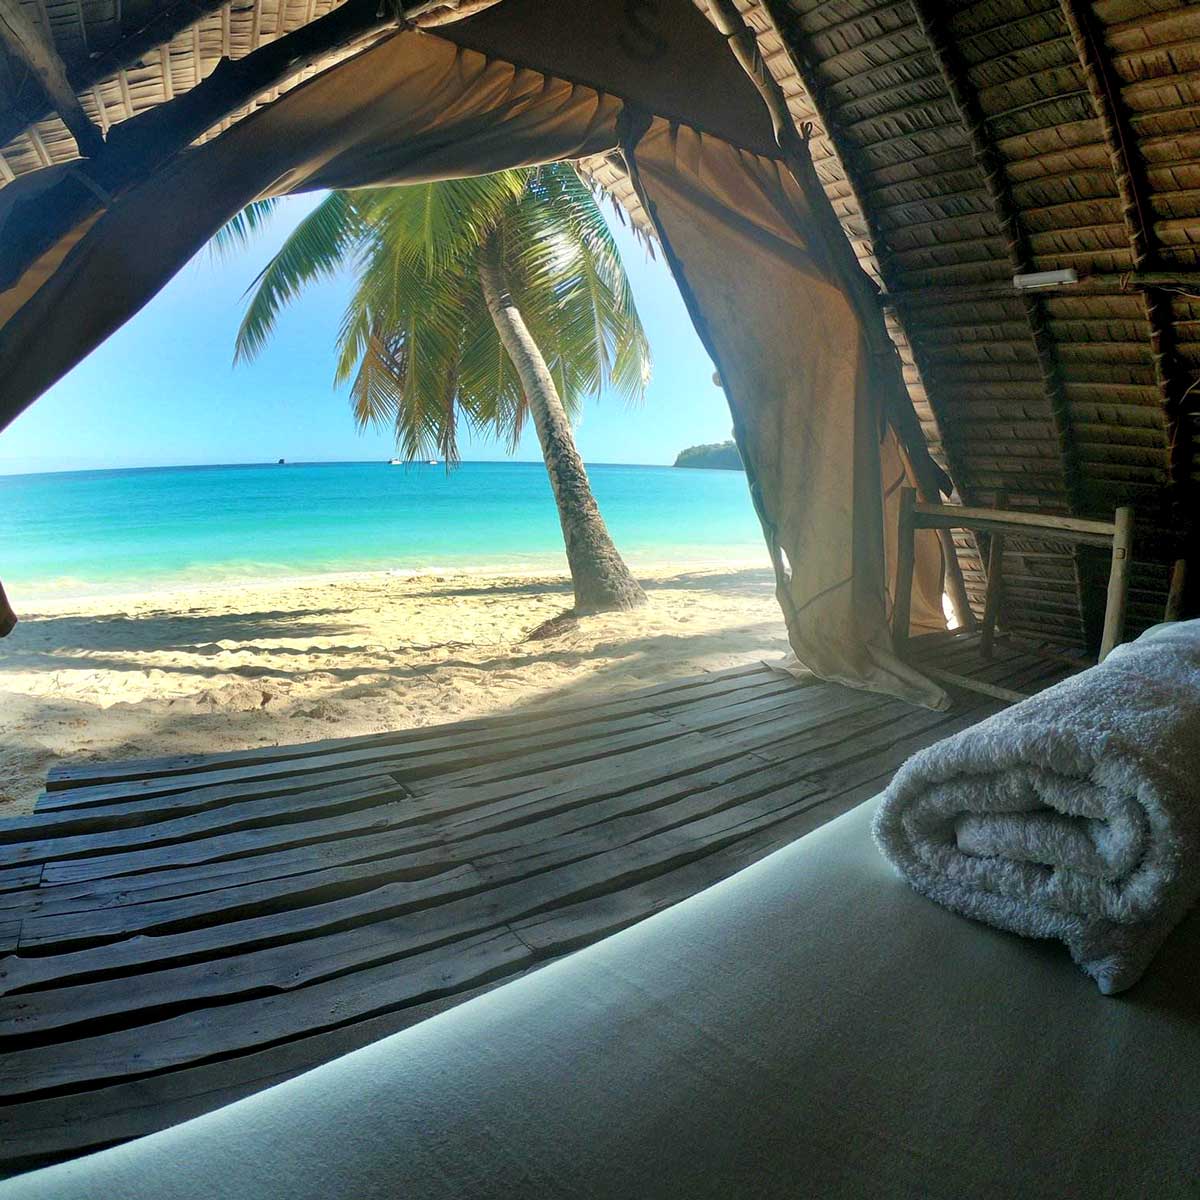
(532, 248)
(601, 579)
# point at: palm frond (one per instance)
(323, 243)
(416, 342)
(441, 223)
(573, 290)
(241, 229)
(400, 343)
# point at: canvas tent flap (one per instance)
(795, 370)
(411, 109)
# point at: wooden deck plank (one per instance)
(397, 890)
(250, 814)
(686, 753)
(423, 757)
(266, 1019)
(230, 848)
(190, 928)
(58, 1126)
(125, 815)
(76, 775)
(622, 793)
(19, 879)
(812, 706)
(687, 750)
(308, 989)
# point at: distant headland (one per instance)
(722, 455)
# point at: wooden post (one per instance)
(33, 49)
(906, 552)
(956, 587)
(1118, 582)
(1174, 609)
(995, 571)
(8, 618)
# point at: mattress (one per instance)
(808, 1027)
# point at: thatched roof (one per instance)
(960, 143)
(965, 143)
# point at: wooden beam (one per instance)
(970, 684)
(1067, 529)
(160, 29)
(28, 45)
(842, 262)
(1098, 284)
(792, 36)
(166, 23)
(1129, 170)
(931, 19)
(139, 145)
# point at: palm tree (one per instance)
(494, 300)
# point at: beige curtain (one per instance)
(793, 364)
(416, 108)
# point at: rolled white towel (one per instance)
(1074, 814)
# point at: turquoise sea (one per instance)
(88, 531)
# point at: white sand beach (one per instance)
(225, 666)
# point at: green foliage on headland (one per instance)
(723, 455)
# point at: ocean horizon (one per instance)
(75, 533)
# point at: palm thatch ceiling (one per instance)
(961, 143)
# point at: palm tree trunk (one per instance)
(600, 577)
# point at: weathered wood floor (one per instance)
(184, 931)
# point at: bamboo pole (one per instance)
(991, 607)
(1178, 590)
(1068, 529)
(1097, 284)
(981, 686)
(1118, 582)
(906, 555)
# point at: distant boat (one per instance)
(433, 462)
(395, 462)
(281, 462)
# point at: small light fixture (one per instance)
(1044, 279)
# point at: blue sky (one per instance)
(163, 391)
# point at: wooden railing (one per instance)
(1116, 534)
